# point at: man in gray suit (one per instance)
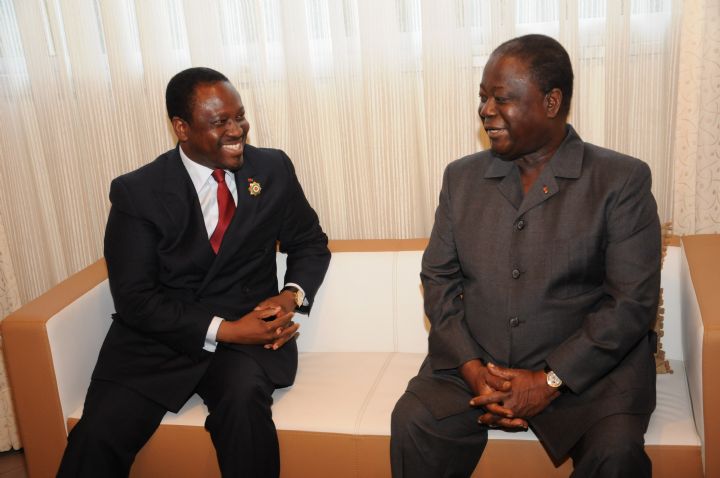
(541, 284)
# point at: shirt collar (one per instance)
(199, 174)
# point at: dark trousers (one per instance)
(424, 447)
(613, 447)
(117, 422)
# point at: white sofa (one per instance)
(365, 338)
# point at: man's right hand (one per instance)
(492, 390)
(252, 328)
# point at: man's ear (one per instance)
(180, 127)
(553, 102)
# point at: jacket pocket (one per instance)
(577, 266)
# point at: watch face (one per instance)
(553, 380)
(299, 298)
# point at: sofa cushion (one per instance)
(353, 393)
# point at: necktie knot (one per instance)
(218, 175)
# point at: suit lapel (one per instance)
(177, 194)
(566, 163)
(509, 186)
(247, 206)
(237, 234)
(543, 189)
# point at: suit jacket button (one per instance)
(515, 273)
(514, 321)
(520, 225)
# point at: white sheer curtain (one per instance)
(9, 301)
(696, 207)
(371, 99)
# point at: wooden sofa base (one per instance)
(177, 451)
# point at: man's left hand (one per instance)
(285, 301)
(529, 395)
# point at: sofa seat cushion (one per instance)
(672, 421)
(350, 393)
(353, 393)
(342, 401)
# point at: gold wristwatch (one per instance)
(297, 294)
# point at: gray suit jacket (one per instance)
(566, 276)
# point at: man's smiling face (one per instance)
(512, 108)
(217, 133)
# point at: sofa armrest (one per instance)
(701, 343)
(50, 348)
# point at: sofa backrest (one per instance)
(369, 302)
(372, 302)
(73, 335)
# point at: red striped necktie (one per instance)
(226, 209)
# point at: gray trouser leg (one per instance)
(422, 446)
(613, 448)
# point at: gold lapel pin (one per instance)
(254, 187)
(546, 190)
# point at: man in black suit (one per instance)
(541, 283)
(190, 247)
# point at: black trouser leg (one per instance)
(115, 424)
(239, 394)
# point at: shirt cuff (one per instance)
(292, 284)
(211, 337)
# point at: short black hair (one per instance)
(548, 61)
(180, 91)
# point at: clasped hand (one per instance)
(509, 396)
(269, 324)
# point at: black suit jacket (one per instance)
(167, 283)
(566, 275)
